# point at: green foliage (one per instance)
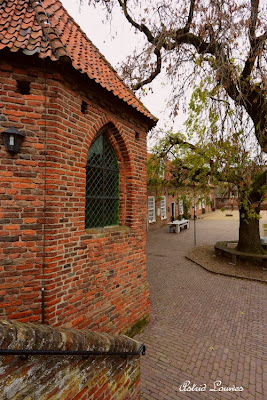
(155, 172)
(218, 150)
(225, 145)
(138, 327)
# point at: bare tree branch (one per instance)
(141, 27)
(190, 16)
(208, 40)
(254, 4)
(153, 74)
(253, 54)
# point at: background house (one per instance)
(168, 201)
(163, 206)
(227, 196)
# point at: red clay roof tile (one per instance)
(45, 27)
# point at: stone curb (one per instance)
(225, 274)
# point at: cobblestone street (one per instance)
(204, 327)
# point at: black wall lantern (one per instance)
(12, 139)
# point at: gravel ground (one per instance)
(205, 257)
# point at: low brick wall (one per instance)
(66, 377)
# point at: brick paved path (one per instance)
(204, 327)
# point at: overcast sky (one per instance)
(116, 49)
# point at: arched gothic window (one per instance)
(102, 185)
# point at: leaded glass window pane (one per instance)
(102, 185)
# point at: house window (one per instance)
(163, 212)
(162, 169)
(173, 210)
(181, 207)
(200, 203)
(102, 185)
(151, 209)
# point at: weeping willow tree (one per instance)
(188, 39)
(218, 149)
(225, 135)
(221, 45)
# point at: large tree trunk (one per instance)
(249, 233)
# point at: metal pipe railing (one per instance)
(28, 352)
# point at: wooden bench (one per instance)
(176, 226)
(221, 249)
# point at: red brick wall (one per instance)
(94, 279)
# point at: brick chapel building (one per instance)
(73, 196)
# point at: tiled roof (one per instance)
(46, 28)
